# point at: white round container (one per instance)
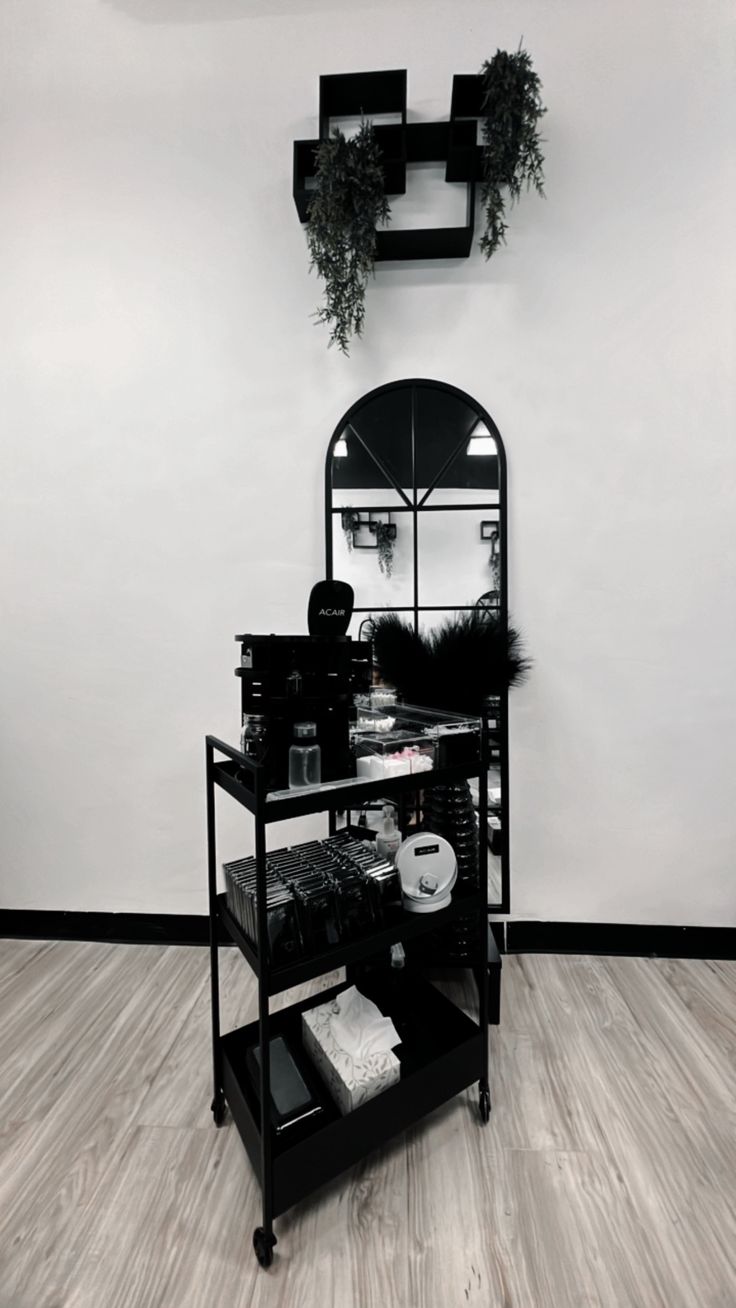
(428, 869)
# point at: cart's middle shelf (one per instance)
(339, 796)
(397, 925)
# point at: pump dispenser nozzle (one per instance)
(388, 840)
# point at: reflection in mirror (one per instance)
(431, 620)
(415, 522)
(373, 549)
(447, 537)
(383, 497)
(456, 457)
(373, 454)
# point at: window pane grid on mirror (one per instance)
(420, 449)
(375, 447)
(373, 548)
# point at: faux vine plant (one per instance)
(385, 543)
(347, 204)
(350, 522)
(512, 155)
(383, 532)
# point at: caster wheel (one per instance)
(263, 1245)
(484, 1105)
(218, 1111)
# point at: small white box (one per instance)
(351, 1082)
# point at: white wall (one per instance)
(163, 385)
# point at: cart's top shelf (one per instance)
(454, 754)
(235, 775)
(379, 702)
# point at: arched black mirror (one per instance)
(415, 520)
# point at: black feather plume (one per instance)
(456, 667)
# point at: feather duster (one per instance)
(456, 667)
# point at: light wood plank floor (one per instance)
(606, 1178)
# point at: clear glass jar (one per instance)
(305, 757)
(254, 736)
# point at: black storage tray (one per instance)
(439, 1055)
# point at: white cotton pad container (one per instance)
(428, 869)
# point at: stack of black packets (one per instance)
(284, 936)
(317, 895)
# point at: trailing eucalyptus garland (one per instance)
(512, 108)
(348, 202)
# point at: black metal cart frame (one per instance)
(449, 1054)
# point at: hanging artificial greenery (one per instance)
(385, 541)
(512, 157)
(350, 521)
(347, 204)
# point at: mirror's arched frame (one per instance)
(414, 500)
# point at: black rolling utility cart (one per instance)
(442, 1050)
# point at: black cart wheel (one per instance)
(484, 1105)
(218, 1111)
(263, 1245)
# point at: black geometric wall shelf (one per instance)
(465, 161)
(452, 143)
(365, 528)
(429, 143)
(370, 95)
(356, 95)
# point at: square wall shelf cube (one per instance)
(361, 95)
(391, 138)
(428, 143)
(465, 155)
(467, 96)
(357, 95)
(305, 167)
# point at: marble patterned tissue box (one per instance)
(351, 1082)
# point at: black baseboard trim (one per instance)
(116, 928)
(498, 931)
(127, 928)
(510, 937)
(621, 938)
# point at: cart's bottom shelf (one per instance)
(440, 1055)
